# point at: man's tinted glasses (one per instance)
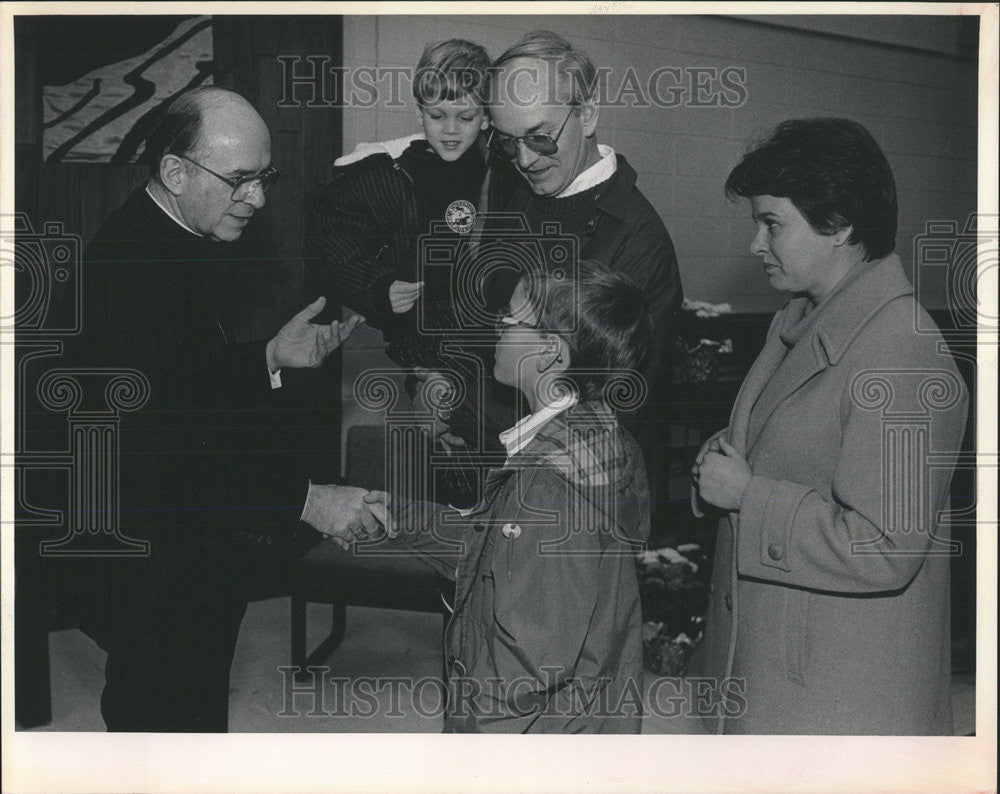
(507, 145)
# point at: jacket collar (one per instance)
(584, 458)
(599, 173)
(169, 212)
(784, 371)
(851, 309)
(612, 201)
(516, 438)
(576, 456)
(161, 225)
(393, 149)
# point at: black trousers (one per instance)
(171, 636)
(169, 624)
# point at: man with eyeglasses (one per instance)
(544, 125)
(245, 188)
(214, 467)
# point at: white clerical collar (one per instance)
(601, 171)
(170, 213)
(520, 435)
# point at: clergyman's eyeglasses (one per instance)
(244, 186)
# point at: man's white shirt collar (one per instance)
(520, 435)
(170, 213)
(601, 171)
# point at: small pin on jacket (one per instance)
(511, 531)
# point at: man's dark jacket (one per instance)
(205, 451)
(212, 468)
(626, 234)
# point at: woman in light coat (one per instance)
(830, 598)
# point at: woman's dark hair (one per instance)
(603, 317)
(834, 173)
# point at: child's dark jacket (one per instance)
(363, 235)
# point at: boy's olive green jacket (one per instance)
(546, 630)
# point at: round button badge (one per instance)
(460, 216)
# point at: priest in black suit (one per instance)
(213, 468)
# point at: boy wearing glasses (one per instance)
(546, 631)
(553, 173)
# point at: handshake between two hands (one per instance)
(348, 514)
